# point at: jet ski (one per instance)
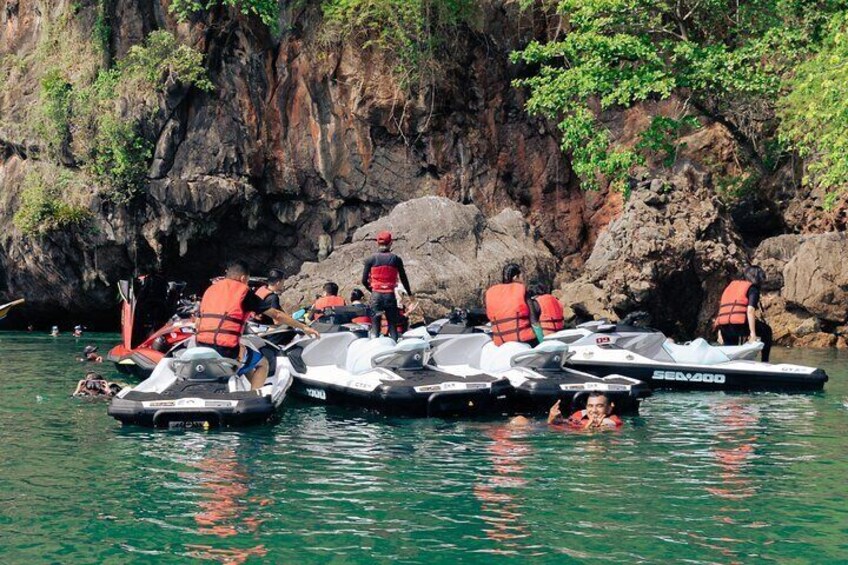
(539, 375)
(602, 349)
(138, 355)
(199, 388)
(344, 367)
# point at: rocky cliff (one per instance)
(302, 142)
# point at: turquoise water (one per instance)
(697, 478)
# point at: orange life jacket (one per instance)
(222, 317)
(580, 419)
(263, 291)
(551, 319)
(326, 302)
(734, 304)
(506, 307)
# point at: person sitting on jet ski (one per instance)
(597, 415)
(95, 385)
(357, 298)
(509, 308)
(547, 307)
(737, 313)
(269, 293)
(89, 353)
(381, 274)
(329, 298)
(224, 311)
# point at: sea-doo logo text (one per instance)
(715, 378)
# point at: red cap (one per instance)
(384, 237)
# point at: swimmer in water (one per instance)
(95, 385)
(90, 354)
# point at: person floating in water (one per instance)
(596, 416)
(54, 331)
(95, 385)
(89, 353)
(78, 331)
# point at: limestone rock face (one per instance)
(816, 277)
(451, 252)
(669, 254)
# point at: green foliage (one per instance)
(102, 32)
(618, 53)
(119, 158)
(54, 111)
(148, 67)
(660, 138)
(45, 206)
(412, 32)
(814, 113)
(268, 11)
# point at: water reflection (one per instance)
(738, 420)
(499, 509)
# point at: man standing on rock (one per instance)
(380, 276)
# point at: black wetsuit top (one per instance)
(385, 260)
(270, 301)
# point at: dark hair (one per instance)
(237, 268)
(356, 294)
(275, 276)
(537, 288)
(754, 275)
(598, 393)
(331, 288)
(511, 271)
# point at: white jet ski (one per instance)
(345, 368)
(196, 387)
(602, 349)
(538, 374)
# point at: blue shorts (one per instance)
(251, 360)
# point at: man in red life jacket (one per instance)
(597, 415)
(509, 308)
(548, 309)
(381, 274)
(224, 311)
(269, 294)
(737, 314)
(329, 298)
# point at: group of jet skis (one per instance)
(449, 368)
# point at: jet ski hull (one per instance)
(538, 395)
(693, 377)
(417, 396)
(192, 411)
(199, 388)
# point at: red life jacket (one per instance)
(580, 419)
(551, 319)
(507, 309)
(733, 308)
(263, 291)
(326, 302)
(384, 279)
(222, 317)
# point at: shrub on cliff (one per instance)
(103, 116)
(723, 58)
(49, 200)
(814, 114)
(268, 11)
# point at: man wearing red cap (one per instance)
(380, 276)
